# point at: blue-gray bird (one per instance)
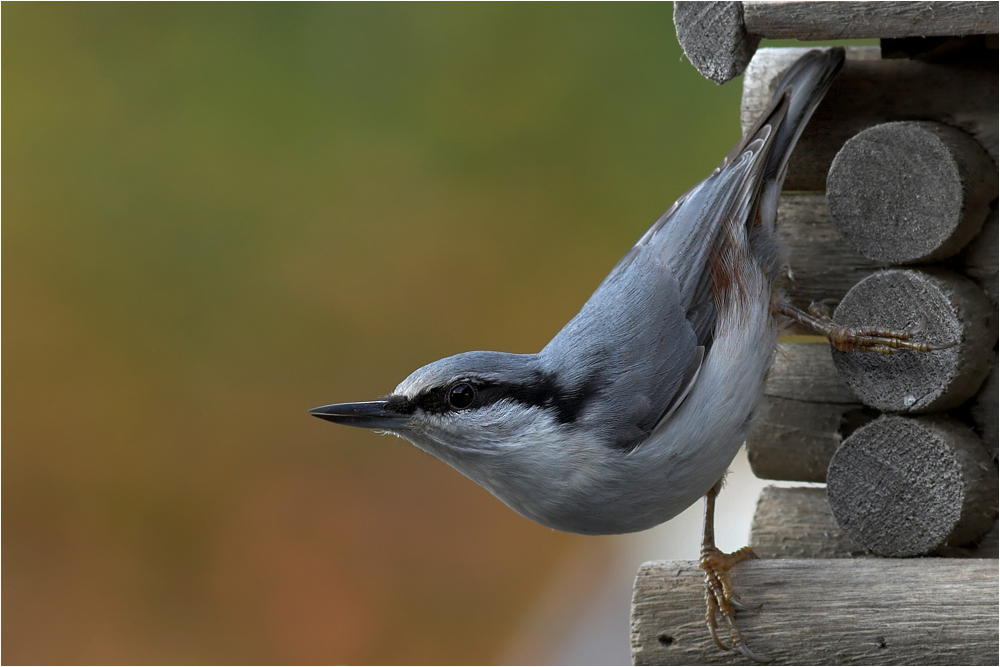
(637, 407)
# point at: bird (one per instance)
(636, 408)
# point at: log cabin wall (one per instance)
(890, 212)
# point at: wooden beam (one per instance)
(869, 91)
(804, 415)
(927, 611)
(817, 20)
(714, 38)
(719, 38)
(822, 266)
(979, 259)
(797, 522)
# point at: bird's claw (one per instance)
(722, 602)
(863, 339)
(740, 605)
(821, 309)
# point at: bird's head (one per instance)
(468, 407)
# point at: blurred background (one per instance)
(218, 216)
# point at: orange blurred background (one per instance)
(218, 216)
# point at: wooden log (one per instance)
(719, 38)
(867, 611)
(805, 371)
(794, 440)
(821, 265)
(805, 414)
(909, 486)
(714, 38)
(979, 259)
(797, 522)
(909, 192)
(983, 411)
(812, 21)
(869, 91)
(946, 308)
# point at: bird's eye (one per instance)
(461, 395)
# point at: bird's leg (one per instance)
(720, 599)
(865, 339)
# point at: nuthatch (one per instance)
(638, 406)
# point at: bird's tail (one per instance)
(804, 84)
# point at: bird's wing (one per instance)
(649, 325)
(630, 347)
(646, 329)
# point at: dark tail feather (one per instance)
(805, 83)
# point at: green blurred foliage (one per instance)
(216, 216)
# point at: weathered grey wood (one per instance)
(821, 264)
(908, 486)
(950, 309)
(797, 523)
(805, 372)
(979, 259)
(804, 415)
(910, 191)
(867, 611)
(811, 21)
(714, 39)
(983, 411)
(869, 91)
(719, 38)
(794, 440)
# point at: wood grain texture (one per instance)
(719, 38)
(794, 440)
(867, 611)
(910, 191)
(983, 411)
(906, 486)
(979, 259)
(950, 309)
(860, 20)
(797, 523)
(821, 264)
(804, 415)
(714, 38)
(805, 372)
(824, 266)
(869, 91)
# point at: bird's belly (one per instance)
(598, 490)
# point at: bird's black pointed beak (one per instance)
(369, 414)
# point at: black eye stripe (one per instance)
(542, 391)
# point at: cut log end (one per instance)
(939, 307)
(907, 192)
(714, 38)
(905, 486)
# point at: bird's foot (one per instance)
(722, 602)
(864, 339)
